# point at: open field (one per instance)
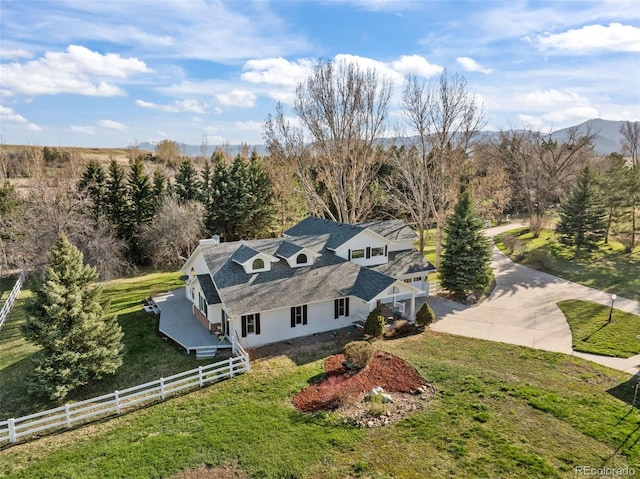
(608, 269)
(592, 332)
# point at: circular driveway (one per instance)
(522, 310)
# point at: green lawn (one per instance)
(148, 356)
(592, 332)
(608, 269)
(499, 410)
(6, 285)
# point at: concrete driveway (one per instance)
(522, 310)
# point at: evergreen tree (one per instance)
(80, 342)
(239, 208)
(117, 205)
(205, 183)
(582, 214)
(93, 182)
(143, 207)
(159, 188)
(216, 220)
(187, 186)
(262, 211)
(466, 259)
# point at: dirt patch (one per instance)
(344, 392)
(228, 471)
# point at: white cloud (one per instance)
(7, 114)
(112, 125)
(549, 99)
(6, 53)
(559, 118)
(277, 71)
(249, 125)
(79, 71)
(615, 37)
(417, 65)
(470, 65)
(177, 106)
(237, 97)
(87, 130)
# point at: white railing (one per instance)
(117, 402)
(433, 288)
(8, 304)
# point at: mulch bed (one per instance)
(390, 372)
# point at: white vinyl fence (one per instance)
(117, 402)
(6, 307)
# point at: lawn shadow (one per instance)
(600, 328)
(626, 391)
(308, 349)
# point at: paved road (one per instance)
(522, 310)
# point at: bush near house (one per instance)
(357, 354)
(374, 325)
(425, 316)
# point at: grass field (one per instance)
(608, 269)
(499, 410)
(592, 332)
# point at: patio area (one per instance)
(178, 323)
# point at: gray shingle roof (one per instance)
(244, 253)
(404, 262)
(287, 249)
(339, 232)
(328, 278)
(392, 229)
(209, 290)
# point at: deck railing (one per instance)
(119, 402)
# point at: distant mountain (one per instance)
(607, 139)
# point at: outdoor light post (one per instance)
(613, 298)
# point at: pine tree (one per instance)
(187, 187)
(93, 182)
(466, 259)
(117, 206)
(262, 211)
(142, 210)
(582, 214)
(80, 342)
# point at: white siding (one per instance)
(362, 241)
(402, 245)
(275, 325)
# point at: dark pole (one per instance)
(613, 298)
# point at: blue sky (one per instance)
(109, 73)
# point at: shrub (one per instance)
(540, 259)
(374, 325)
(425, 316)
(358, 354)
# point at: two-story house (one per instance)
(320, 276)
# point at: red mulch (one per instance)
(390, 372)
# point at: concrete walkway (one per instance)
(522, 310)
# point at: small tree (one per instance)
(80, 343)
(425, 316)
(466, 260)
(582, 214)
(374, 325)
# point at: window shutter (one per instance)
(346, 306)
(385, 250)
(293, 316)
(257, 316)
(335, 309)
(304, 314)
(349, 255)
(244, 326)
(368, 252)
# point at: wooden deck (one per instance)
(178, 323)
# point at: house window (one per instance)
(302, 259)
(377, 251)
(203, 304)
(341, 307)
(250, 324)
(357, 253)
(408, 280)
(298, 315)
(258, 263)
(394, 290)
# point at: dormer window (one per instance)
(302, 259)
(258, 263)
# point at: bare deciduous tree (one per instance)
(164, 247)
(630, 131)
(344, 109)
(444, 117)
